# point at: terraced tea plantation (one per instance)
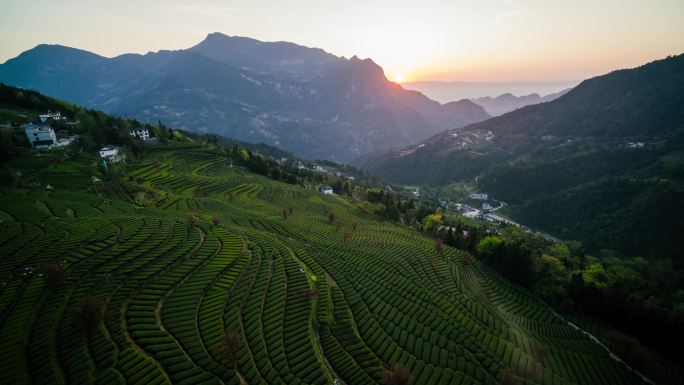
(314, 298)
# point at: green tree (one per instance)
(595, 275)
(434, 221)
(348, 187)
(551, 278)
(490, 247)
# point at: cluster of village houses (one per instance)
(43, 136)
(111, 153)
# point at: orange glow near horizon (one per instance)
(398, 78)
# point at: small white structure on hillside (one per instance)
(327, 190)
(40, 136)
(487, 206)
(110, 152)
(479, 196)
(50, 115)
(140, 133)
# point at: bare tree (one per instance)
(541, 351)
(54, 275)
(439, 246)
(465, 257)
(192, 221)
(88, 313)
(311, 293)
(231, 342)
(397, 374)
(216, 220)
(507, 377)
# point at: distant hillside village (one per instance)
(42, 135)
(52, 132)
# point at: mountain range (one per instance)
(603, 163)
(508, 102)
(300, 99)
(446, 91)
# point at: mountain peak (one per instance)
(506, 96)
(221, 41)
(216, 35)
(51, 52)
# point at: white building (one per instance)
(40, 136)
(479, 196)
(110, 152)
(140, 133)
(50, 115)
(487, 206)
(327, 190)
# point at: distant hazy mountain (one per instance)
(603, 163)
(507, 102)
(300, 99)
(445, 92)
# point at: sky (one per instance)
(466, 40)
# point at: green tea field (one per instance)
(315, 289)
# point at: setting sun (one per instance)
(399, 78)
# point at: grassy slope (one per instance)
(385, 295)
